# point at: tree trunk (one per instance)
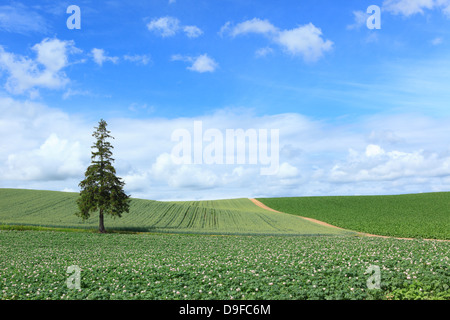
(101, 227)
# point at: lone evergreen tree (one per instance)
(102, 190)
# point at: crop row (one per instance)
(33, 265)
(237, 216)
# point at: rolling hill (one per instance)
(237, 216)
(411, 216)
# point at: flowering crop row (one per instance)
(33, 265)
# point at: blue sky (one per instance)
(359, 111)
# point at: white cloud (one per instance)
(437, 41)
(141, 59)
(55, 159)
(412, 7)
(70, 93)
(18, 18)
(305, 41)
(53, 54)
(25, 75)
(179, 57)
(46, 148)
(407, 7)
(287, 171)
(192, 31)
(202, 63)
(262, 52)
(376, 164)
(360, 18)
(169, 26)
(225, 28)
(43, 144)
(100, 57)
(164, 26)
(446, 9)
(373, 150)
(135, 107)
(254, 26)
(183, 176)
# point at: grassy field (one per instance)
(34, 265)
(238, 216)
(412, 216)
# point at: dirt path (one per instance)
(262, 205)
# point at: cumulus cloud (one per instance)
(254, 25)
(55, 159)
(100, 57)
(45, 71)
(40, 144)
(192, 31)
(164, 26)
(169, 26)
(183, 176)
(202, 63)
(412, 7)
(46, 148)
(306, 41)
(376, 164)
(407, 7)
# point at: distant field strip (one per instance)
(424, 215)
(237, 216)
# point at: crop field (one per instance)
(238, 216)
(34, 265)
(411, 216)
(222, 250)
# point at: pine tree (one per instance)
(102, 190)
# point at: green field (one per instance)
(238, 216)
(411, 216)
(424, 215)
(34, 265)
(225, 249)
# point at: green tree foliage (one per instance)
(102, 190)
